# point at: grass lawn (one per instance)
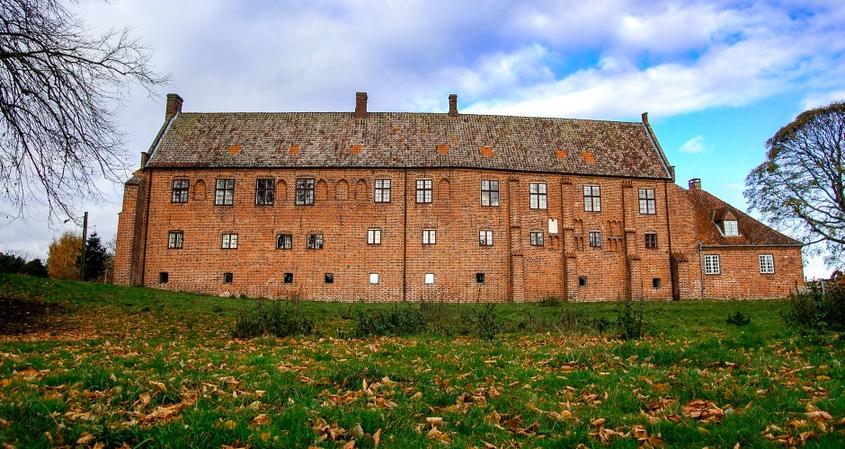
(106, 366)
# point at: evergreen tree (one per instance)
(95, 258)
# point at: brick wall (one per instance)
(740, 275)
(345, 209)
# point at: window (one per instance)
(382, 190)
(180, 191)
(711, 264)
(485, 237)
(288, 278)
(489, 192)
(429, 237)
(373, 278)
(284, 241)
(537, 195)
(592, 198)
(582, 281)
(329, 278)
(730, 227)
(315, 241)
(228, 278)
(595, 239)
(480, 278)
(536, 238)
(767, 264)
(163, 277)
(651, 240)
(428, 278)
(265, 190)
(424, 190)
(230, 241)
(304, 191)
(655, 282)
(224, 193)
(175, 239)
(374, 237)
(648, 205)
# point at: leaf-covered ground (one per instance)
(103, 366)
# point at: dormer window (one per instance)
(729, 228)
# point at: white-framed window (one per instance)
(536, 238)
(374, 236)
(374, 278)
(382, 191)
(730, 227)
(224, 192)
(429, 236)
(428, 278)
(538, 197)
(648, 204)
(485, 237)
(424, 190)
(230, 241)
(767, 263)
(284, 241)
(711, 264)
(592, 198)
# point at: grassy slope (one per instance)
(158, 369)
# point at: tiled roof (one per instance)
(751, 232)
(390, 140)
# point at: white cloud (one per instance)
(693, 146)
(822, 99)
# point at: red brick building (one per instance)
(432, 206)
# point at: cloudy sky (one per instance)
(717, 77)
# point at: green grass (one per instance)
(151, 369)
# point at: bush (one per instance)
(11, 263)
(630, 321)
(485, 323)
(35, 268)
(397, 321)
(738, 319)
(817, 311)
(280, 319)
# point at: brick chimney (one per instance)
(360, 105)
(453, 105)
(695, 184)
(145, 157)
(174, 106)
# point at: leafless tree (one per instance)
(59, 87)
(801, 184)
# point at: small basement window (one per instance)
(373, 278)
(163, 277)
(228, 278)
(329, 278)
(655, 283)
(288, 278)
(480, 278)
(582, 281)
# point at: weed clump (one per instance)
(280, 319)
(398, 321)
(630, 321)
(738, 319)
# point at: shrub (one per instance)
(397, 321)
(817, 311)
(485, 323)
(630, 321)
(34, 268)
(280, 319)
(738, 319)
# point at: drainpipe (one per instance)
(405, 235)
(700, 271)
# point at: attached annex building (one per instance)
(433, 206)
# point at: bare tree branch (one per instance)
(59, 86)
